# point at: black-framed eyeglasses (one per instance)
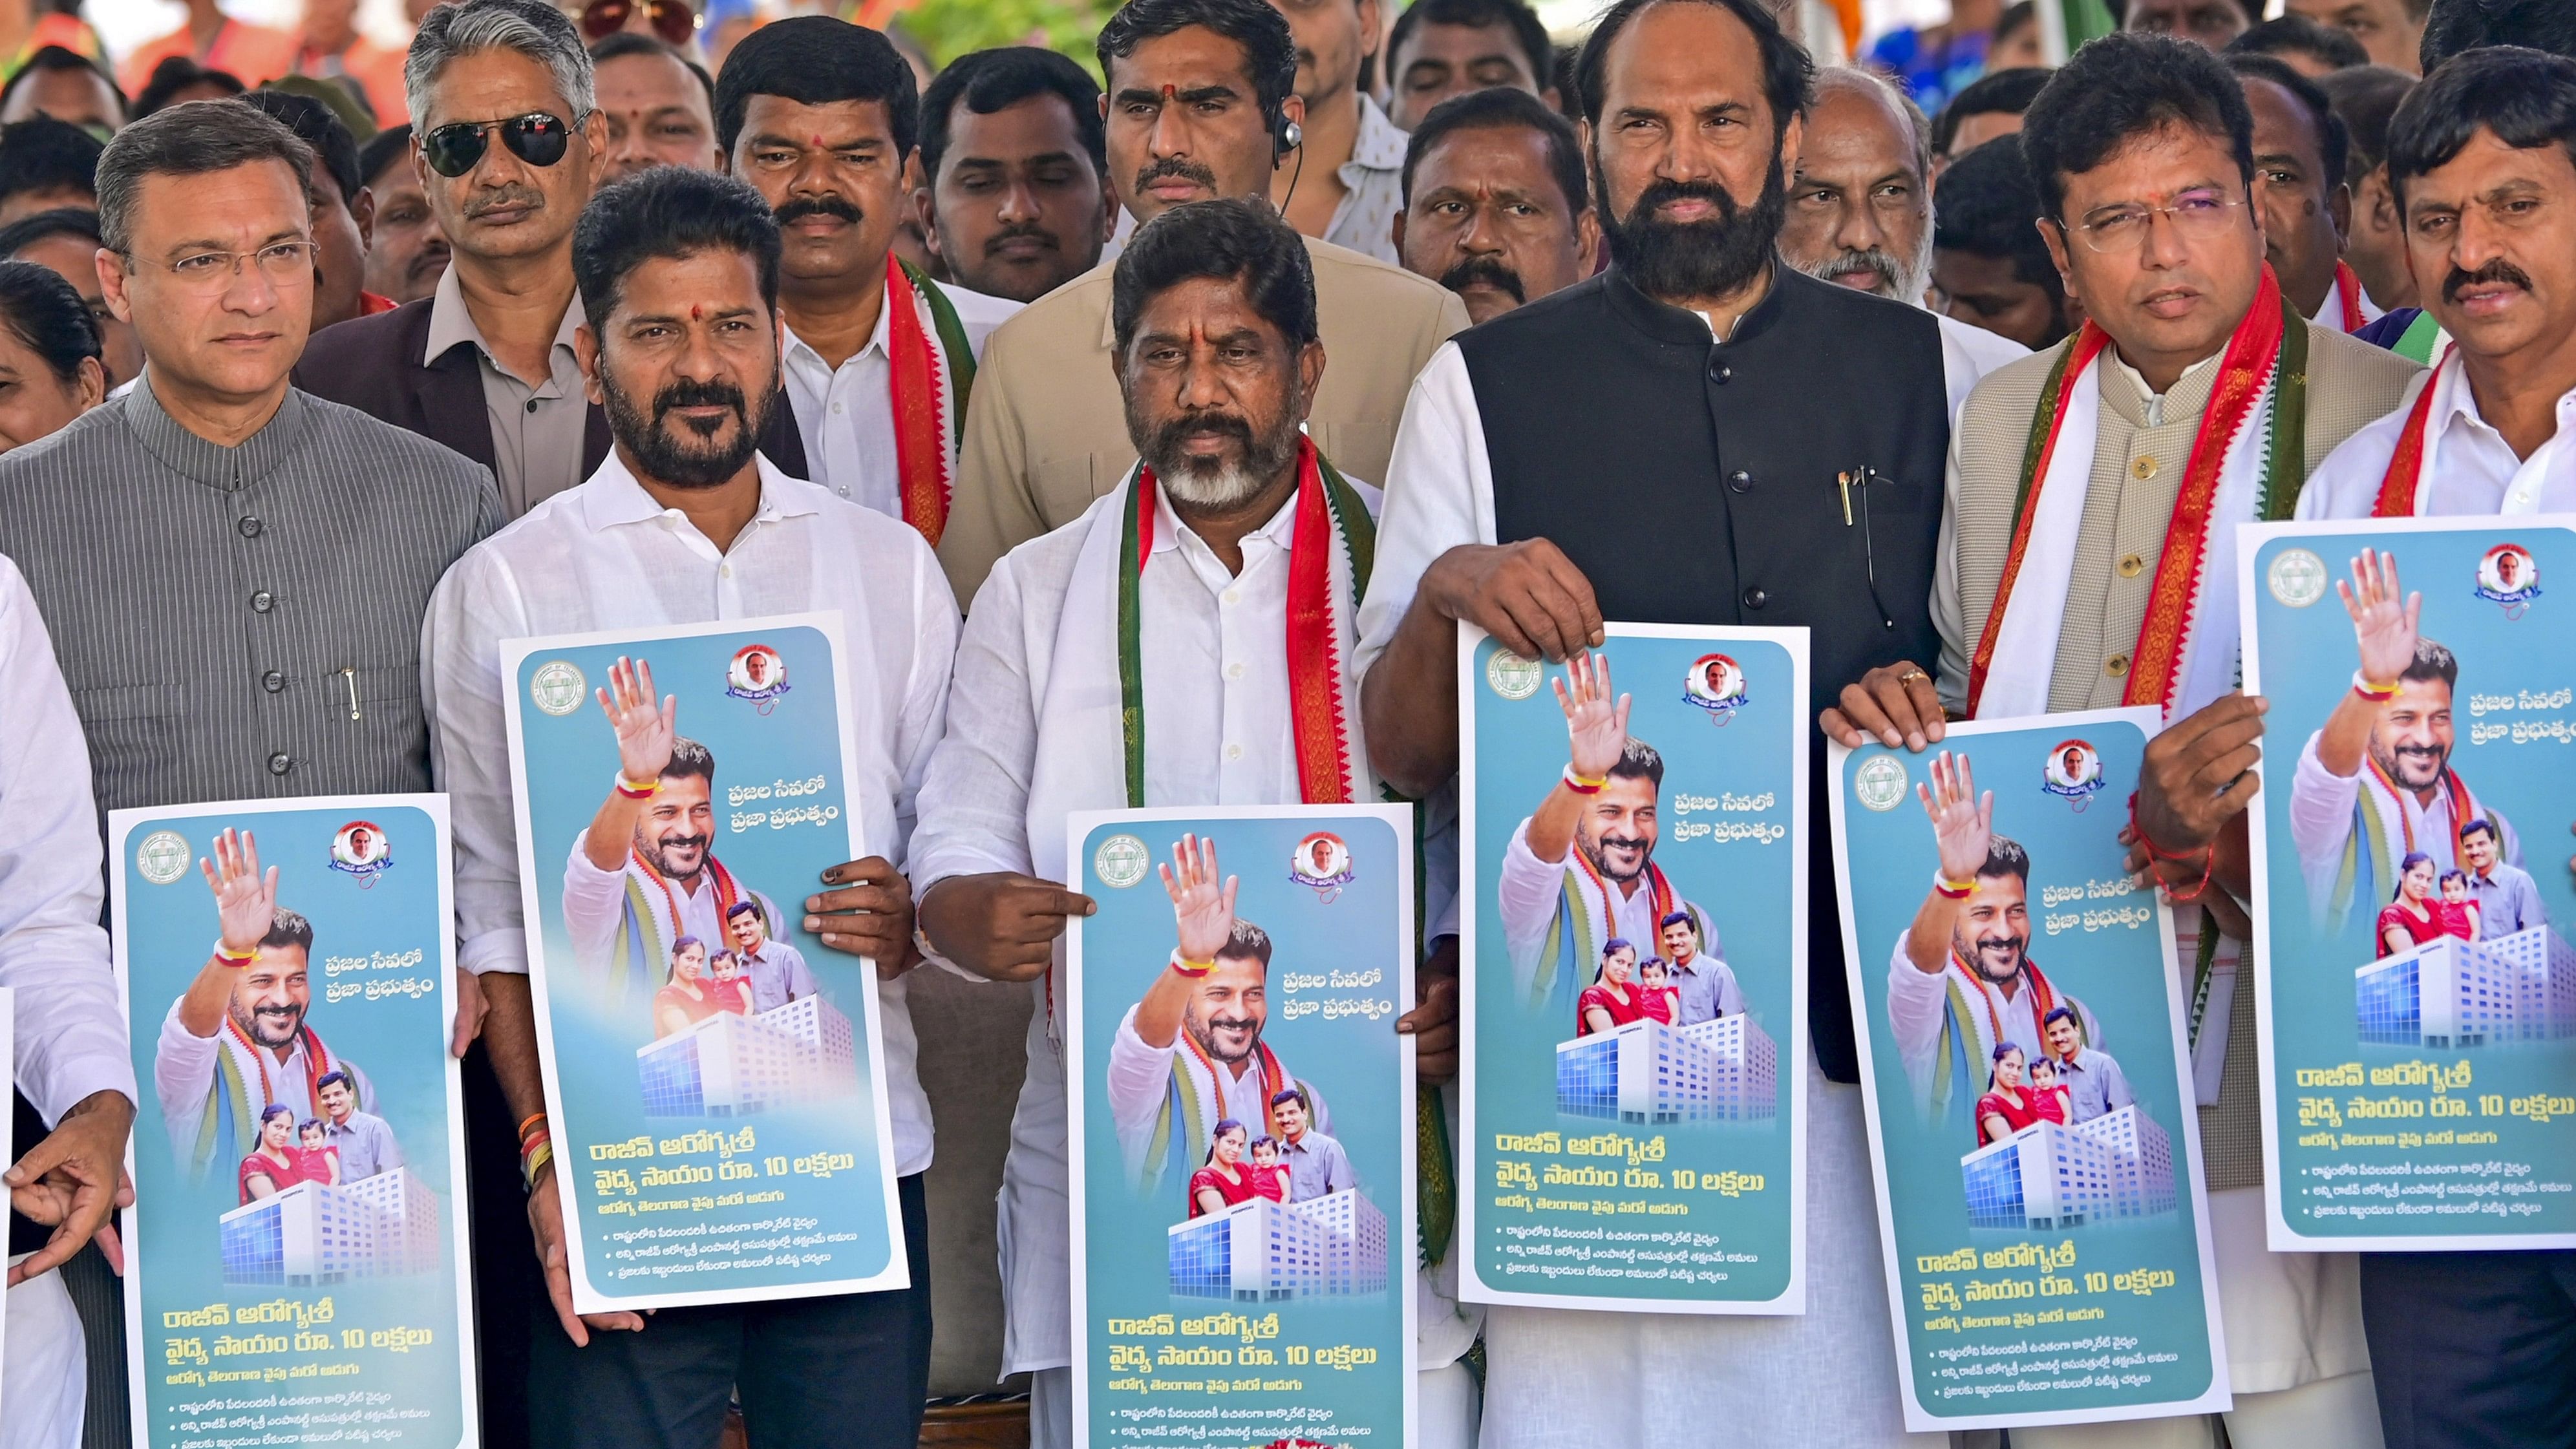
(456, 148)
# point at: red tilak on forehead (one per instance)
(1170, 91)
(695, 311)
(815, 141)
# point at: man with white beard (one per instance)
(1860, 211)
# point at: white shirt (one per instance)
(2472, 469)
(185, 1071)
(1217, 732)
(607, 556)
(2330, 313)
(70, 1039)
(1364, 221)
(1916, 1000)
(2322, 806)
(1968, 353)
(1139, 1079)
(846, 414)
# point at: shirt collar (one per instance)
(1379, 146)
(1281, 530)
(611, 497)
(451, 322)
(210, 463)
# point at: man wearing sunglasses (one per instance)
(510, 142)
(1201, 104)
(2143, 152)
(819, 116)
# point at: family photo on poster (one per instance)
(2025, 1066)
(715, 1078)
(1242, 1123)
(298, 1164)
(2418, 985)
(1632, 1006)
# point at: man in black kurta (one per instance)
(1674, 441)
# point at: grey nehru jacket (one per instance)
(216, 610)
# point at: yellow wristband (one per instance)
(235, 958)
(1191, 969)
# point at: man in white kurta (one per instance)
(663, 534)
(1034, 715)
(71, 1061)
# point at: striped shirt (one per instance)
(243, 622)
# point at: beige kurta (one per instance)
(2291, 1318)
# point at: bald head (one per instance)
(1860, 211)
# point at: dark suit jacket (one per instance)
(373, 364)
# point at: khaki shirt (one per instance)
(1046, 431)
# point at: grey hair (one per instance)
(533, 28)
(188, 140)
(1855, 78)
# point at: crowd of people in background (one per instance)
(326, 364)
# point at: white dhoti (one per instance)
(44, 1371)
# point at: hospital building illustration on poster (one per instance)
(313, 1233)
(2452, 993)
(1645, 1071)
(1260, 1251)
(732, 1066)
(2048, 1175)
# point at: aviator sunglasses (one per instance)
(536, 138)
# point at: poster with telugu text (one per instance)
(714, 1075)
(1242, 1121)
(1632, 1003)
(2029, 1090)
(296, 1256)
(2416, 988)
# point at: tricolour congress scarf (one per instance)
(929, 399)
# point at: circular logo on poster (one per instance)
(1512, 676)
(2073, 772)
(1879, 783)
(2297, 577)
(361, 849)
(1120, 861)
(757, 674)
(2508, 576)
(162, 857)
(1716, 684)
(557, 687)
(1322, 863)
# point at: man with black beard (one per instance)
(685, 523)
(1700, 435)
(1210, 546)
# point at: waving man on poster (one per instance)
(239, 1038)
(1580, 871)
(1190, 1054)
(1961, 982)
(2375, 783)
(645, 873)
